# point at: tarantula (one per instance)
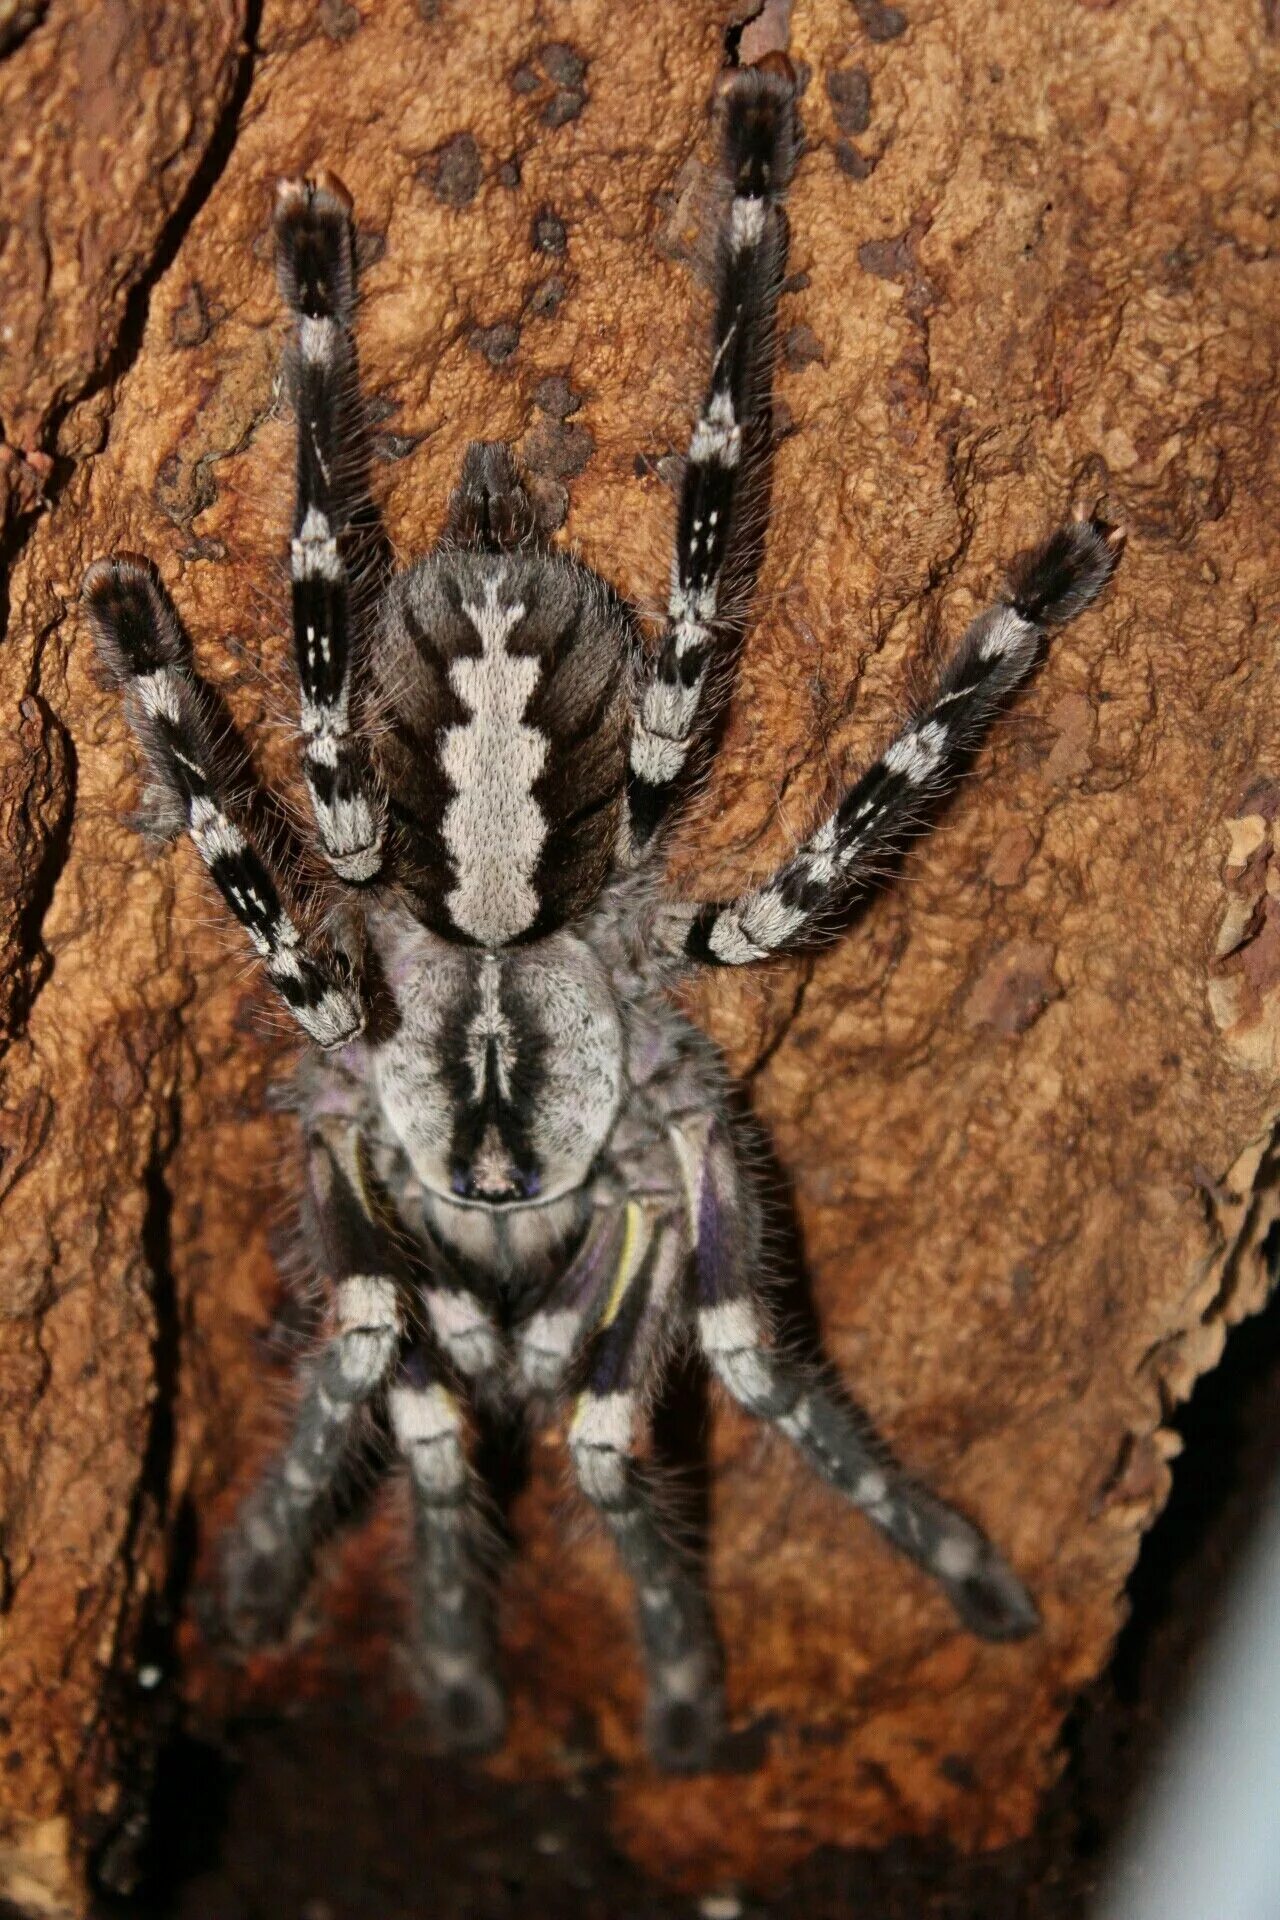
(525, 1176)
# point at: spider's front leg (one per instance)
(266, 1556)
(892, 802)
(987, 1596)
(194, 774)
(315, 263)
(759, 150)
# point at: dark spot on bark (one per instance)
(191, 325)
(548, 298)
(453, 171)
(555, 396)
(957, 1770)
(393, 446)
(801, 348)
(339, 20)
(559, 451)
(888, 259)
(509, 172)
(497, 343)
(782, 422)
(550, 503)
(849, 91)
(15, 1761)
(548, 234)
(180, 492)
(796, 283)
(428, 10)
(1260, 796)
(881, 22)
(565, 104)
(524, 79)
(855, 165)
(1014, 988)
(370, 247)
(563, 64)
(207, 547)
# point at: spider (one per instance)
(525, 1172)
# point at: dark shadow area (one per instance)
(324, 1819)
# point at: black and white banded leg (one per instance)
(759, 151)
(193, 774)
(684, 1708)
(315, 262)
(546, 1344)
(892, 801)
(986, 1595)
(461, 1320)
(454, 1654)
(267, 1555)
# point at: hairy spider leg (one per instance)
(194, 770)
(267, 1555)
(454, 1653)
(986, 1595)
(548, 1341)
(759, 149)
(893, 800)
(684, 1707)
(315, 267)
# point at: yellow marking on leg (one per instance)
(637, 1231)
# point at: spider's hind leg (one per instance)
(453, 1649)
(987, 1596)
(684, 1710)
(267, 1555)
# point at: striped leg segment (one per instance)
(453, 1640)
(142, 642)
(315, 262)
(464, 1327)
(986, 1595)
(548, 1341)
(759, 148)
(892, 801)
(266, 1557)
(684, 1709)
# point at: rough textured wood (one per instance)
(1025, 1109)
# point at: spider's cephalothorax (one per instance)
(524, 1176)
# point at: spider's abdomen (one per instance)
(502, 1076)
(502, 681)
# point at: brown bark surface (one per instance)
(1025, 1109)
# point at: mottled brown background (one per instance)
(1025, 1112)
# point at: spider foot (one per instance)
(684, 1733)
(315, 262)
(989, 1597)
(465, 1707)
(684, 1730)
(1066, 573)
(759, 127)
(250, 1603)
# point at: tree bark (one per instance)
(1025, 1109)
